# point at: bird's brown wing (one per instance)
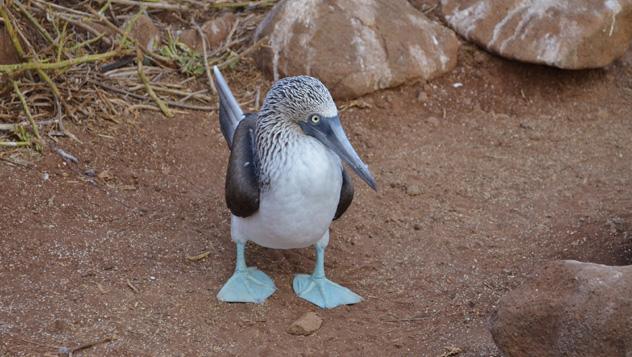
(242, 177)
(346, 194)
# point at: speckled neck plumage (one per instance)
(276, 139)
(289, 101)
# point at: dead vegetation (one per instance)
(81, 61)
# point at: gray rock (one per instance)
(434, 121)
(563, 33)
(354, 46)
(568, 308)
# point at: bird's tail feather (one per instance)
(229, 111)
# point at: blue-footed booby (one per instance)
(286, 183)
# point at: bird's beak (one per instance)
(329, 131)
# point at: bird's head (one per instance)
(305, 102)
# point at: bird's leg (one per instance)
(248, 284)
(240, 262)
(319, 290)
(319, 267)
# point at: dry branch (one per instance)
(26, 66)
(207, 68)
(27, 111)
(163, 107)
(138, 96)
(14, 144)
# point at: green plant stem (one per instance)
(14, 143)
(13, 68)
(27, 111)
(141, 73)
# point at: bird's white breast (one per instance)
(297, 208)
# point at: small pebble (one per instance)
(59, 326)
(306, 325)
(434, 121)
(413, 190)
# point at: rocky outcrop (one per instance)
(571, 34)
(568, 309)
(354, 46)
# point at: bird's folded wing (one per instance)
(346, 194)
(242, 178)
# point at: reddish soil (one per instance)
(478, 185)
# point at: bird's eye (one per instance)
(315, 119)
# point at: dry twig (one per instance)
(200, 256)
(131, 286)
(163, 107)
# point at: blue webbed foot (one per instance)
(323, 292)
(250, 285)
(319, 290)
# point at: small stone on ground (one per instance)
(306, 325)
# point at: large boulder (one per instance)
(354, 46)
(570, 34)
(568, 309)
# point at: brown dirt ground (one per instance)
(478, 185)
